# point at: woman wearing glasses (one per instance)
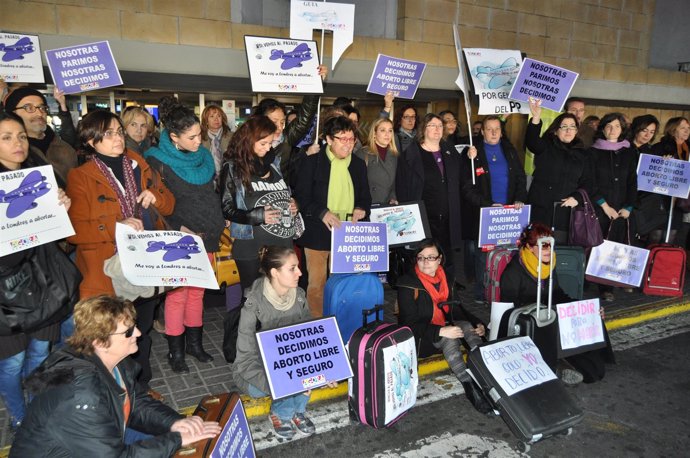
(439, 330)
(115, 185)
(559, 167)
(87, 402)
(331, 187)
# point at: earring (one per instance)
(177, 147)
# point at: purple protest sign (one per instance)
(303, 356)
(236, 439)
(398, 75)
(670, 177)
(84, 67)
(549, 83)
(502, 225)
(359, 247)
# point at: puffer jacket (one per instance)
(78, 411)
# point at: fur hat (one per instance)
(18, 94)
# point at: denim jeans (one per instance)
(284, 408)
(66, 330)
(16, 368)
(132, 436)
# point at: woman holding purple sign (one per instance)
(273, 301)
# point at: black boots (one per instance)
(194, 345)
(477, 398)
(176, 354)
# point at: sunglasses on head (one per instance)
(129, 332)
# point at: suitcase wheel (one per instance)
(524, 447)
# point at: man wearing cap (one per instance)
(32, 107)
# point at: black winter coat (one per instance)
(479, 195)
(417, 312)
(311, 194)
(290, 156)
(559, 170)
(78, 412)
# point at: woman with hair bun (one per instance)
(273, 301)
(187, 169)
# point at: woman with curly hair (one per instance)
(215, 133)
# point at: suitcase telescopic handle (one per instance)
(376, 311)
(541, 241)
(440, 305)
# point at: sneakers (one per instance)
(570, 377)
(282, 429)
(303, 424)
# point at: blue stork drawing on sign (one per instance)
(23, 198)
(176, 250)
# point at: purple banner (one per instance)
(83, 68)
(670, 177)
(502, 225)
(236, 439)
(303, 356)
(549, 83)
(359, 247)
(398, 75)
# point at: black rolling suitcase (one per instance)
(535, 321)
(532, 401)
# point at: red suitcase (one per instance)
(665, 271)
(496, 262)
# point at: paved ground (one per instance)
(184, 391)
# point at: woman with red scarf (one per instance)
(439, 329)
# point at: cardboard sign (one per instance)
(283, 65)
(31, 214)
(359, 247)
(398, 75)
(303, 356)
(619, 263)
(405, 223)
(20, 58)
(502, 225)
(493, 72)
(516, 364)
(580, 324)
(670, 177)
(235, 441)
(339, 18)
(549, 83)
(400, 368)
(84, 67)
(163, 258)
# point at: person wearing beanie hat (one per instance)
(31, 105)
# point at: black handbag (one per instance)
(38, 292)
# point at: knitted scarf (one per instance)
(281, 303)
(529, 262)
(193, 167)
(128, 198)
(606, 145)
(437, 295)
(341, 191)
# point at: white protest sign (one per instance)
(20, 58)
(163, 258)
(516, 364)
(31, 214)
(337, 17)
(497, 311)
(493, 73)
(283, 65)
(579, 323)
(404, 223)
(617, 262)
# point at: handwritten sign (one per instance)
(406, 223)
(516, 364)
(20, 58)
(549, 83)
(670, 177)
(283, 65)
(398, 75)
(163, 258)
(617, 263)
(31, 214)
(580, 324)
(235, 441)
(84, 67)
(303, 356)
(493, 72)
(359, 247)
(502, 225)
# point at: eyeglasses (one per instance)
(428, 258)
(435, 126)
(346, 140)
(410, 117)
(128, 333)
(29, 108)
(113, 133)
(545, 245)
(567, 128)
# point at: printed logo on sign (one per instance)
(86, 87)
(362, 267)
(314, 381)
(287, 87)
(24, 242)
(174, 281)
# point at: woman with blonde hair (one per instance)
(139, 127)
(381, 157)
(215, 133)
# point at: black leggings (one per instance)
(145, 312)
